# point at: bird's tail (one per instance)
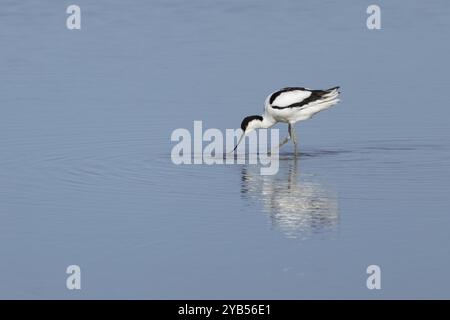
(330, 95)
(328, 98)
(332, 91)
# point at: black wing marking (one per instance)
(276, 94)
(315, 95)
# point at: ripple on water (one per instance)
(120, 166)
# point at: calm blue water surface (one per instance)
(86, 176)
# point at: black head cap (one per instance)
(246, 120)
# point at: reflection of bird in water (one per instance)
(298, 208)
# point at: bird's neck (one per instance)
(267, 121)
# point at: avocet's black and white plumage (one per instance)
(290, 105)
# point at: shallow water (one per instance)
(86, 176)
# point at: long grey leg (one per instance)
(286, 139)
(294, 137)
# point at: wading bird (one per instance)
(290, 105)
